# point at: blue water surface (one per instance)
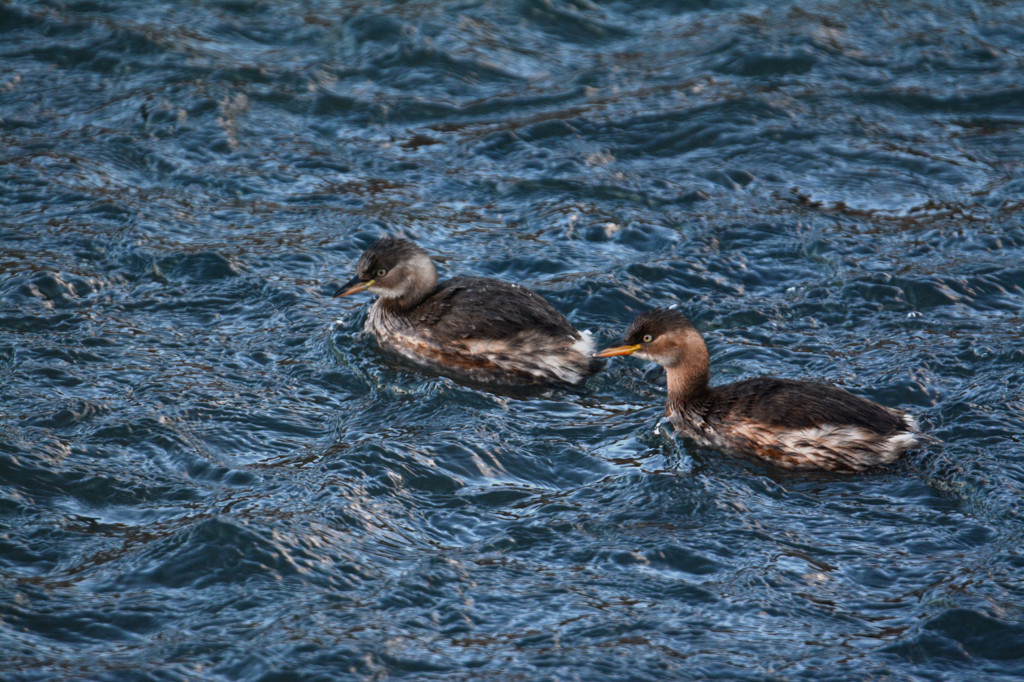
(208, 472)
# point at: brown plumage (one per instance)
(793, 424)
(473, 328)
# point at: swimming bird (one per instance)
(472, 328)
(789, 423)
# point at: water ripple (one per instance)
(207, 469)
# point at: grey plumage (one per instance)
(474, 328)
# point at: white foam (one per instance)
(585, 346)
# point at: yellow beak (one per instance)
(353, 287)
(618, 350)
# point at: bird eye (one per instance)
(648, 338)
(382, 272)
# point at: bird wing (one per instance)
(794, 404)
(477, 307)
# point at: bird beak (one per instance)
(618, 350)
(353, 286)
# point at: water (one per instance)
(208, 473)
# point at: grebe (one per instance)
(793, 424)
(473, 328)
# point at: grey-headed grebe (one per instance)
(473, 328)
(793, 424)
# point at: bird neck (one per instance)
(688, 380)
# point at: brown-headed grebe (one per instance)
(793, 424)
(473, 328)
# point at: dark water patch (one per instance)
(77, 412)
(198, 266)
(788, 60)
(85, 627)
(186, 560)
(1005, 101)
(682, 132)
(571, 22)
(966, 637)
(78, 482)
(17, 18)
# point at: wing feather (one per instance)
(510, 309)
(791, 404)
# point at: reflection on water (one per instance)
(208, 470)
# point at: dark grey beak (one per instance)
(353, 286)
